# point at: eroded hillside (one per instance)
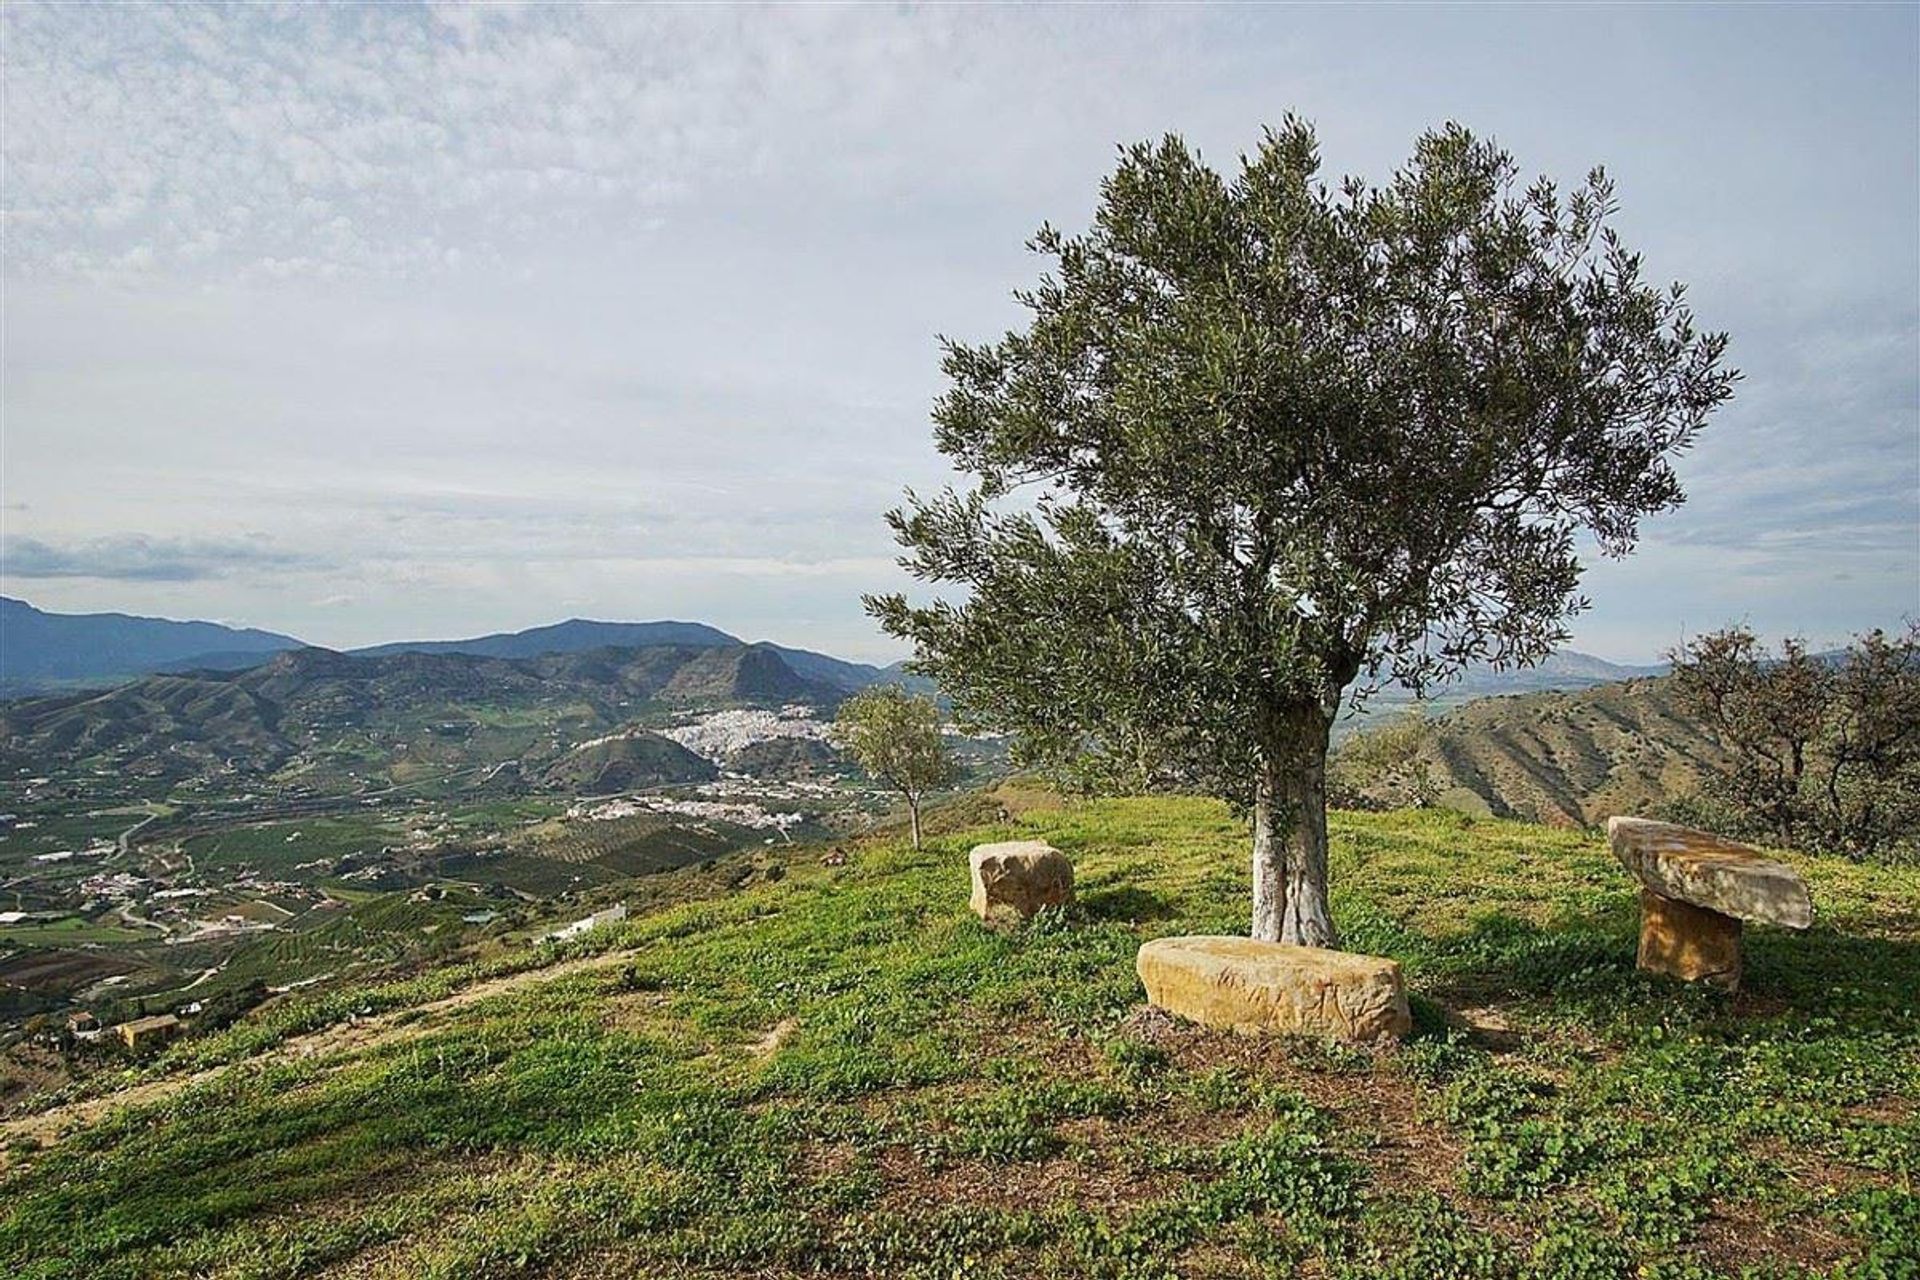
(1574, 758)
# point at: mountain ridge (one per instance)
(344, 715)
(569, 636)
(43, 652)
(41, 648)
(88, 654)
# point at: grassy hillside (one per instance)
(1574, 757)
(837, 1071)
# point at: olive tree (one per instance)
(1262, 440)
(895, 736)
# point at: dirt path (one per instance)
(48, 1126)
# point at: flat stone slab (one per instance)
(1018, 876)
(1703, 870)
(1239, 984)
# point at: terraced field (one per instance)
(278, 848)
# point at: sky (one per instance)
(400, 322)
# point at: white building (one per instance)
(586, 923)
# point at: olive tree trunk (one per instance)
(1290, 831)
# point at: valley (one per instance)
(200, 840)
(197, 842)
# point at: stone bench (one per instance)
(1018, 877)
(1696, 892)
(1239, 984)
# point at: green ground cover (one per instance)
(529, 873)
(633, 845)
(277, 847)
(53, 832)
(71, 931)
(385, 929)
(837, 1071)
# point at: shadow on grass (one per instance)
(1823, 972)
(1125, 903)
(1587, 967)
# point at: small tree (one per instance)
(1825, 751)
(895, 737)
(1262, 439)
(1766, 712)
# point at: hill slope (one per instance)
(842, 1073)
(39, 648)
(580, 635)
(625, 763)
(1576, 757)
(575, 635)
(389, 714)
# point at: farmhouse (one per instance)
(145, 1031)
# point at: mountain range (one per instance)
(574, 705)
(41, 651)
(337, 722)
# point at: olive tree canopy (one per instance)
(1262, 438)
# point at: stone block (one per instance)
(1688, 942)
(1695, 890)
(1018, 877)
(1242, 985)
(1706, 871)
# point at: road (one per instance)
(123, 844)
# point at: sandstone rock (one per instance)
(1019, 876)
(1695, 890)
(1705, 871)
(1688, 942)
(1241, 985)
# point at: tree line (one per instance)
(1824, 748)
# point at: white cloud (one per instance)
(139, 558)
(490, 314)
(384, 141)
